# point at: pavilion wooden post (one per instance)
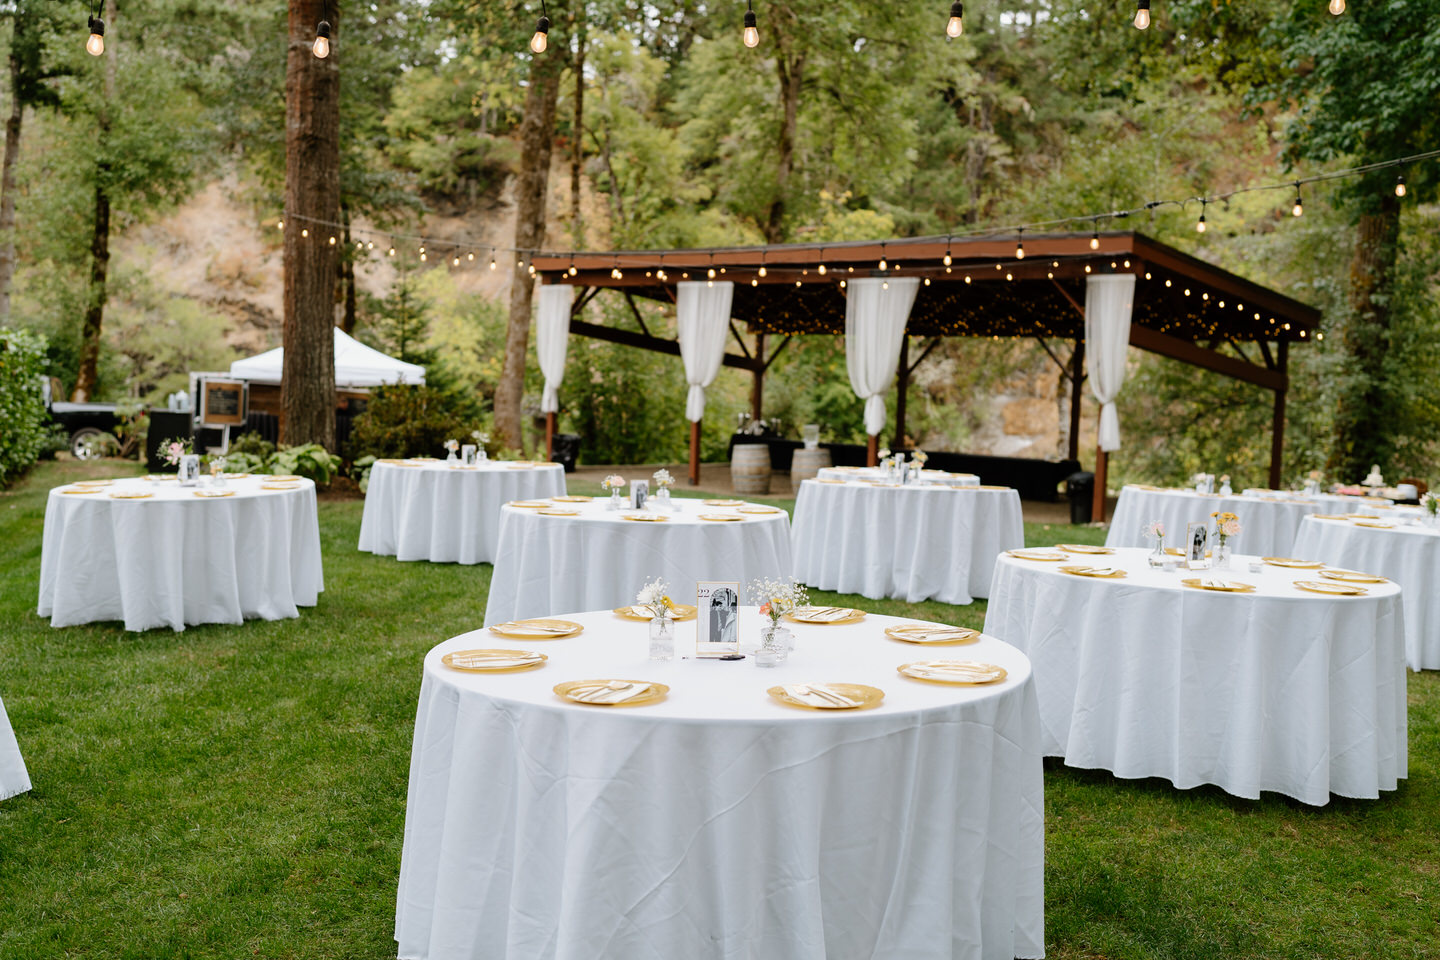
(550, 436)
(757, 390)
(902, 387)
(1277, 429)
(1098, 503)
(694, 453)
(1077, 395)
(872, 450)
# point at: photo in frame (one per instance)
(639, 493)
(717, 625)
(1197, 535)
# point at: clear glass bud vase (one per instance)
(662, 638)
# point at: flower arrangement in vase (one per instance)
(1154, 533)
(481, 438)
(181, 454)
(663, 480)
(918, 459)
(776, 599)
(453, 446)
(662, 625)
(1227, 525)
(1312, 482)
(614, 483)
(1225, 490)
(1431, 503)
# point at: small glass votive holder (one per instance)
(810, 434)
(767, 657)
(467, 454)
(1257, 566)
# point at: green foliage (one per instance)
(308, 460)
(360, 472)
(242, 462)
(407, 421)
(252, 444)
(26, 427)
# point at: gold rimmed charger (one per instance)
(723, 503)
(1365, 516)
(235, 476)
(285, 478)
(681, 611)
(932, 634)
(551, 512)
(1330, 588)
(529, 504)
(83, 490)
(93, 483)
(963, 673)
(860, 696)
(161, 477)
(424, 459)
(1036, 554)
(1331, 516)
(1084, 548)
(208, 494)
(1099, 573)
(493, 660)
(1217, 585)
(279, 486)
(721, 517)
(572, 498)
(980, 486)
(758, 510)
(1374, 525)
(130, 494)
(611, 693)
(539, 628)
(1351, 576)
(826, 616)
(831, 480)
(644, 517)
(1293, 564)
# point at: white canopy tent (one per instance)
(356, 365)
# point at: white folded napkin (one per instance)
(474, 660)
(826, 614)
(1103, 571)
(817, 694)
(604, 694)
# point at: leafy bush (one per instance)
(310, 460)
(57, 439)
(360, 472)
(407, 421)
(242, 462)
(253, 445)
(22, 408)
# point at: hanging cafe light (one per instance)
(540, 41)
(1400, 185)
(1142, 14)
(751, 33)
(1337, 7)
(956, 24)
(321, 47)
(1200, 224)
(95, 46)
(1299, 208)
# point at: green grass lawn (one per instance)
(239, 791)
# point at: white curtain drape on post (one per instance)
(1108, 301)
(702, 314)
(875, 317)
(552, 336)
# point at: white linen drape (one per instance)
(14, 779)
(552, 335)
(1108, 300)
(875, 317)
(702, 314)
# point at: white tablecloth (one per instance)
(875, 473)
(912, 542)
(718, 822)
(14, 778)
(599, 559)
(1409, 555)
(1270, 523)
(1277, 690)
(176, 559)
(431, 511)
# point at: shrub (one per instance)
(310, 460)
(407, 421)
(243, 462)
(253, 445)
(360, 472)
(22, 408)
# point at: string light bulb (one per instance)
(280, 225)
(1299, 208)
(1020, 246)
(1400, 185)
(1200, 224)
(492, 259)
(883, 265)
(95, 45)
(541, 40)
(751, 33)
(956, 25)
(1095, 240)
(1142, 14)
(1337, 7)
(321, 47)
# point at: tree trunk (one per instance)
(577, 152)
(347, 275)
(88, 375)
(312, 193)
(7, 188)
(537, 134)
(790, 76)
(1364, 400)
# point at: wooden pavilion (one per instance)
(1184, 308)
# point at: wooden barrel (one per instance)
(806, 464)
(750, 468)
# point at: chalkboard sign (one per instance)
(222, 403)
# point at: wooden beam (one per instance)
(550, 436)
(1077, 396)
(1097, 504)
(1277, 425)
(1058, 362)
(783, 344)
(630, 338)
(757, 388)
(902, 387)
(1187, 352)
(635, 309)
(935, 342)
(741, 340)
(872, 450)
(694, 453)
(586, 295)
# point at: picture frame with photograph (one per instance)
(717, 623)
(1197, 535)
(639, 493)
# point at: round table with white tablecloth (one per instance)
(718, 822)
(1408, 553)
(1276, 689)
(14, 778)
(943, 477)
(599, 557)
(914, 542)
(178, 556)
(1270, 522)
(445, 512)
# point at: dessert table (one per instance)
(446, 513)
(14, 778)
(154, 554)
(913, 542)
(717, 821)
(1408, 553)
(597, 557)
(875, 473)
(1270, 521)
(1276, 689)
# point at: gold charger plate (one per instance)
(932, 635)
(493, 661)
(978, 486)
(1351, 576)
(236, 476)
(572, 690)
(1374, 526)
(390, 460)
(214, 493)
(723, 503)
(1227, 586)
(721, 517)
(557, 513)
(1084, 548)
(130, 494)
(1099, 573)
(539, 628)
(644, 517)
(954, 673)
(808, 615)
(1365, 516)
(1035, 554)
(682, 611)
(572, 498)
(1331, 516)
(285, 478)
(864, 696)
(279, 486)
(529, 504)
(1331, 589)
(84, 490)
(828, 480)
(160, 476)
(1292, 563)
(759, 510)
(93, 483)
(424, 459)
